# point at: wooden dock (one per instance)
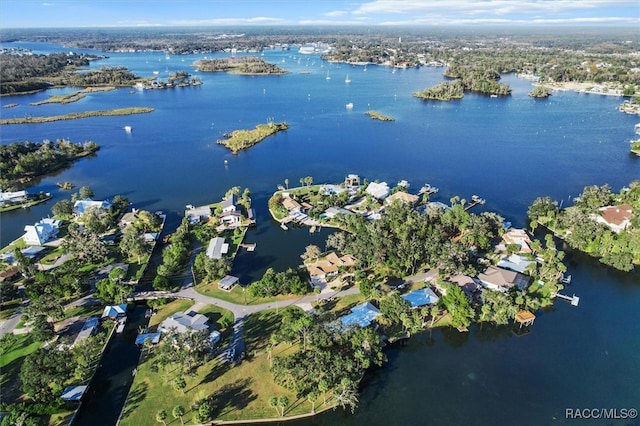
(573, 299)
(248, 246)
(475, 200)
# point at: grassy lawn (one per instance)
(9, 307)
(238, 392)
(236, 295)
(11, 359)
(165, 311)
(217, 315)
(83, 311)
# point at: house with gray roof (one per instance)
(217, 248)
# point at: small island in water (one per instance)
(248, 65)
(540, 92)
(244, 139)
(375, 115)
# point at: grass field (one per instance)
(11, 357)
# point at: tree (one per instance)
(347, 394)
(179, 384)
(133, 243)
(161, 417)
(42, 329)
(62, 208)
(44, 374)
(311, 252)
(84, 245)
(85, 192)
(25, 266)
(178, 412)
(312, 397)
(283, 403)
(273, 402)
(458, 306)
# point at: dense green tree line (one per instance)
(328, 359)
(275, 283)
(22, 161)
(112, 76)
(444, 91)
(20, 73)
(405, 241)
(577, 224)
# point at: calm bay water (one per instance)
(509, 151)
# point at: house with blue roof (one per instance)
(421, 297)
(360, 316)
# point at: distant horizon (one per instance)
(57, 14)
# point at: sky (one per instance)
(150, 13)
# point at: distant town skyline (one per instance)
(159, 13)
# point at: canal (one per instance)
(108, 390)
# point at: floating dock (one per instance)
(573, 299)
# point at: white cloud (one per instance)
(490, 8)
(47, 4)
(336, 13)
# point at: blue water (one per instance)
(507, 150)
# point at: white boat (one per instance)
(328, 77)
(156, 72)
(347, 79)
(349, 105)
(127, 129)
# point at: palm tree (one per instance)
(312, 397)
(178, 412)
(273, 402)
(161, 416)
(283, 402)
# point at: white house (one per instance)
(82, 206)
(182, 322)
(515, 263)
(217, 247)
(12, 197)
(41, 232)
(230, 204)
(379, 190)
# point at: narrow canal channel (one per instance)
(110, 386)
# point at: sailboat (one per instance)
(328, 77)
(347, 79)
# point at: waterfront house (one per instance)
(503, 280)
(617, 218)
(81, 206)
(115, 311)
(197, 214)
(352, 180)
(217, 247)
(421, 297)
(517, 237)
(128, 218)
(12, 197)
(185, 322)
(466, 283)
(360, 316)
(379, 190)
(41, 232)
(516, 263)
(89, 328)
(231, 218)
(230, 204)
(291, 205)
(228, 282)
(402, 197)
(332, 212)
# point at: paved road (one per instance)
(8, 325)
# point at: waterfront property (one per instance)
(516, 263)
(379, 190)
(499, 279)
(617, 218)
(360, 316)
(421, 297)
(198, 214)
(217, 248)
(228, 282)
(518, 237)
(184, 322)
(82, 206)
(114, 311)
(42, 232)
